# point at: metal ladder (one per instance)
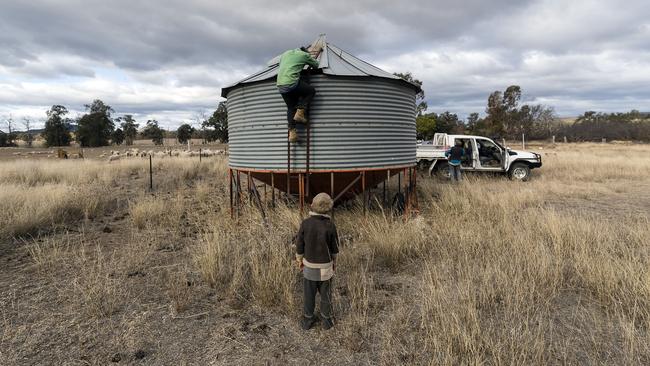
(303, 179)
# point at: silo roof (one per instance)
(332, 61)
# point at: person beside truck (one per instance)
(455, 155)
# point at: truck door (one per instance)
(475, 161)
(470, 159)
(490, 155)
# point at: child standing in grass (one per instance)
(316, 250)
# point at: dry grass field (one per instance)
(96, 269)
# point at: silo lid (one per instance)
(332, 61)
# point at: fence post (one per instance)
(200, 154)
(553, 139)
(150, 174)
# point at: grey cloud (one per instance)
(462, 50)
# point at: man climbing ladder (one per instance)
(297, 93)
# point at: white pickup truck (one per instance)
(481, 155)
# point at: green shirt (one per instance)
(291, 64)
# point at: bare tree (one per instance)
(9, 122)
(198, 119)
(29, 139)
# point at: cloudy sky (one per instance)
(169, 59)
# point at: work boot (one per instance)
(293, 135)
(300, 116)
(307, 323)
(328, 323)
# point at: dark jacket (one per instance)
(455, 154)
(317, 239)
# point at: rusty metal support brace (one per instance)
(257, 200)
(347, 188)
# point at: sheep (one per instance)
(113, 158)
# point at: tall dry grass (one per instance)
(555, 270)
(251, 259)
(40, 196)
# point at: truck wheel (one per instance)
(519, 171)
(442, 171)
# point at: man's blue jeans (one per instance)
(454, 173)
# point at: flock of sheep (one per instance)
(134, 152)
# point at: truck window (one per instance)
(439, 139)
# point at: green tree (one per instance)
(118, 136)
(96, 127)
(425, 126)
(3, 139)
(57, 131)
(129, 127)
(448, 122)
(153, 131)
(506, 118)
(421, 104)
(216, 127)
(184, 133)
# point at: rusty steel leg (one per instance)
(239, 198)
(272, 190)
(407, 191)
(399, 182)
(415, 191)
(232, 212)
(388, 187)
(248, 184)
(363, 191)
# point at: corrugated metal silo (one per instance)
(361, 127)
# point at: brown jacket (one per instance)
(317, 239)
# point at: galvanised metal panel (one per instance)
(332, 61)
(356, 123)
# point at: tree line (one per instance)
(506, 117)
(98, 127)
